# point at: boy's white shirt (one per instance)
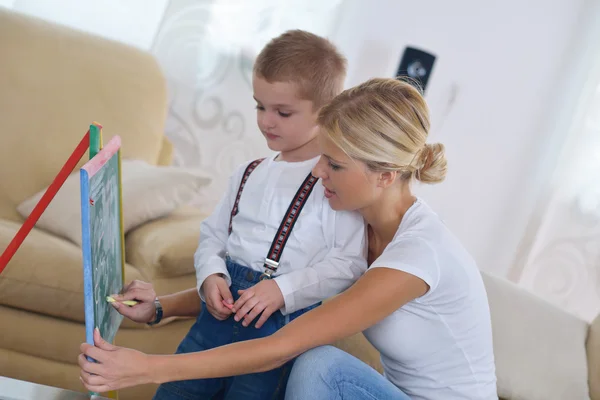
(326, 250)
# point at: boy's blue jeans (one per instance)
(208, 333)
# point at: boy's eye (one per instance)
(284, 115)
(334, 167)
(259, 107)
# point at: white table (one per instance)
(13, 389)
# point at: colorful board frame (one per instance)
(102, 238)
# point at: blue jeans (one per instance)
(328, 373)
(208, 333)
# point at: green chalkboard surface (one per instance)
(102, 239)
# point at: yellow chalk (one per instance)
(126, 302)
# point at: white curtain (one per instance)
(559, 256)
(563, 264)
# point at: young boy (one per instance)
(273, 248)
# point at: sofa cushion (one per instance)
(45, 275)
(58, 340)
(593, 352)
(37, 347)
(361, 348)
(55, 82)
(149, 192)
(164, 248)
(539, 349)
(165, 157)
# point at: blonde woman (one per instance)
(421, 303)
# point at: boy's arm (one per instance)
(209, 257)
(343, 264)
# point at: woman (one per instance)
(421, 303)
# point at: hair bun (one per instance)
(431, 164)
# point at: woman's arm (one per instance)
(376, 295)
(181, 304)
(372, 298)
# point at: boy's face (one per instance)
(286, 121)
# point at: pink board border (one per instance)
(94, 165)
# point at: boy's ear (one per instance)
(387, 178)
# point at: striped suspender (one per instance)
(247, 173)
(287, 223)
(286, 226)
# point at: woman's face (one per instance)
(349, 184)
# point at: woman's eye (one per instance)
(334, 166)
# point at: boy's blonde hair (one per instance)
(309, 61)
(384, 123)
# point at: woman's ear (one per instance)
(387, 178)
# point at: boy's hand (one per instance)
(216, 292)
(265, 297)
(144, 294)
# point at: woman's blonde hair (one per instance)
(384, 123)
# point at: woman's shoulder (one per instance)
(420, 223)
(423, 225)
(422, 243)
(412, 249)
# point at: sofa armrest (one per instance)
(593, 353)
(539, 349)
(164, 248)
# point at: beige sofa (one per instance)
(53, 83)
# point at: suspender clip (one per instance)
(273, 265)
(270, 268)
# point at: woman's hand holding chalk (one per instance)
(136, 302)
(129, 303)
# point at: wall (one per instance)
(7, 3)
(134, 22)
(497, 69)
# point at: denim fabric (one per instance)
(208, 333)
(328, 373)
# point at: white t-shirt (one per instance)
(438, 346)
(324, 254)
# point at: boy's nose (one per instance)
(268, 121)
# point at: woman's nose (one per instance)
(319, 170)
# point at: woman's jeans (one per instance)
(328, 373)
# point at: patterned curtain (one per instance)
(562, 263)
(206, 49)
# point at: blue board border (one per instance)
(86, 245)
